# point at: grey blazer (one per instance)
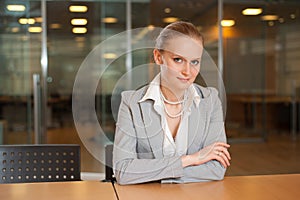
(138, 154)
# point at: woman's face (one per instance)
(180, 62)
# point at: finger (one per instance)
(225, 151)
(223, 144)
(225, 158)
(222, 161)
(220, 157)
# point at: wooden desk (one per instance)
(232, 188)
(77, 190)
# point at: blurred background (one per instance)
(255, 45)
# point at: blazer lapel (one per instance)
(197, 123)
(153, 129)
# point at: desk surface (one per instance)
(231, 188)
(77, 190)
(275, 187)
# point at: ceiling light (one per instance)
(80, 39)
(109, 20)
(38, 19)
(227, 22)
(293, 16)
(151, 27)
(55, 26)
(271, 23)
(269, 17)
(78, 21)
(35, 29)
(252, 11)
(79, 30)
(281, 20)
(109, 56)
(78, 9)
(15, 29)
(167, 10)
(16, 8)
(170, 19)
(26, 21)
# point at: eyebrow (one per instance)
(174, 54)
(183, 56)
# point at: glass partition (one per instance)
(20, 39)
(261, 67)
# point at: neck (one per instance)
(171, 95)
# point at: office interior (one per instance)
(254, 52)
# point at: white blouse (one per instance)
(178, 146)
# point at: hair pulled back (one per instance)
(176, 29)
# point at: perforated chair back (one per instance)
(39, 163)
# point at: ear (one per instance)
(157, 57)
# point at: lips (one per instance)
(183, 79)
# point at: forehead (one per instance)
(184, 46)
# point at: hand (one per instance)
(216, 151)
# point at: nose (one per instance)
(186, 69)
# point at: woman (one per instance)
(172, 130)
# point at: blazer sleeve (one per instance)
(128, 168)
(215, 132)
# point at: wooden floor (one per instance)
(279, 154)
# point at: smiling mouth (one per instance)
(184, 79)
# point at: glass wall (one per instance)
(20, 52)
(260, 68)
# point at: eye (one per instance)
(178, 60)
(195, 62)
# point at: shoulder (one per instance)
(133, 96)
(206, 92)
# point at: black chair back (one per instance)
(39, 163)
(109, 174)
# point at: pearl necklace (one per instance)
(173, 116)
(172, 103)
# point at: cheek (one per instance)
(169, 71)
(194, 73)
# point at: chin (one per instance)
(184, 86)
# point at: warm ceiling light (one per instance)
(110, 20)
(292, 16)
(151, 27)
(269, 17)
(79, 30)
(16, 8)
(271, 23)
(227, 22)
(79, 21)
(80, 39)
(55, 26)
(38, 19)
(109, 56)
(35, 29)
(78, 9)
(15, 29)
(252, 11)
(167, 10)
(170, 19)
(281, 20)
(26, 21)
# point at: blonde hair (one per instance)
(176, 29)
